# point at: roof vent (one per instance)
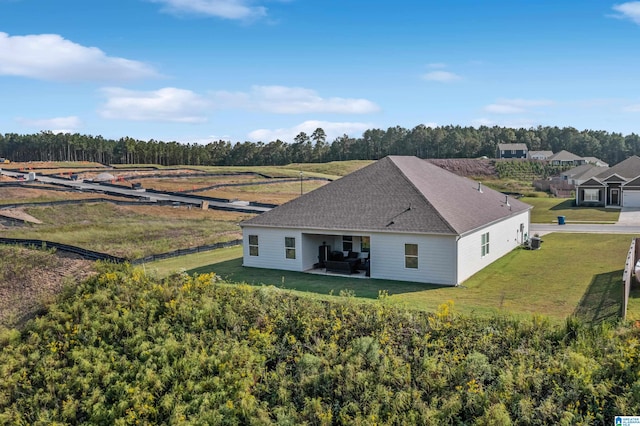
(506, 200)
(479, 186)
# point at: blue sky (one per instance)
(250, 70)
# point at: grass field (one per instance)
(276, 193)
(33, 195)
(130, 231)
(547, 210)
(571, 274)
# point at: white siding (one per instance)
(271, 248)
(504, 236)
(436, 258)
(438, 261)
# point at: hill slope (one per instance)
(126, 348)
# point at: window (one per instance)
(411, 256)
(253, 245)
(290, 247)
(365, 244)
(485, 244)
(591, 195)
(347, 243)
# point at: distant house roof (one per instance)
(596, 161)
(627, 169)
(512, 146)
(564, 156)
(545, 154)
(583, 172)
(395, 194)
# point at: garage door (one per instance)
(631, 198)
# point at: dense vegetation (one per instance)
(528, 170)
(422, 141)
(123, 348)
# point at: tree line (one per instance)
(421, 141)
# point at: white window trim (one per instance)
(484, 244)
(289, 249)
(256, 245)
(411, 256)
(589, 193)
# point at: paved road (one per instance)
(93, 186)
(628, 223)
(538, 228)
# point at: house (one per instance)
(540, 155)
(598, 162)
(617, 186)
(578, 175)
(416, 221)
(565, 158)
(512, 150)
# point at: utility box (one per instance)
(535, 243)
(31, 176)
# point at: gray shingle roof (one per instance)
(628, 169)
(585, 171)
(564, 156)
(512, 146)
(395, 194)
(543, 153)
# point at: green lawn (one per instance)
(129, 231)
(571, 274)
(633, 308)
(547, 210)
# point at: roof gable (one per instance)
(401, 194)
(635, 182)
(628, 169)
(614, 178)
(592, 182)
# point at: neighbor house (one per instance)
(512, 150)
(540, 155)
(411, 219)
(617, 186)
(578, 175)
(566, 158)
(598, 162)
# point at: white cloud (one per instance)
(168, 104)
(332, 130)
(482, 122)
(431, 124)
(629, 10)
(516, 123)
(51, 57)
(227, 9)
(515, 106)
(437, 65)
(47, 123)
(441, 76)
(292, 100)
(632, 108)
(503, 109)
(55, 125)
